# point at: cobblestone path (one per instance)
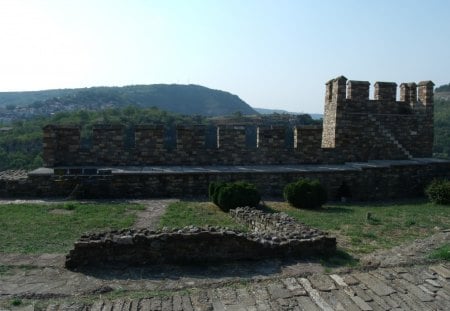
(399, 288)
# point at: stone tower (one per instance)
(362, 129)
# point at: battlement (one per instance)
(355, 128)
(341, 89)
(231, 145)
(383, 127)
(358, 90)
(385, 91)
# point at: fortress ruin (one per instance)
(381, 148)
(355, 128)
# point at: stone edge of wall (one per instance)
(190, 245)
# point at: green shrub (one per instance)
(16, 302)
(213, 191)
(305, 193)
(232, 195)
(438, 191)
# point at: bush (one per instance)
(438, 192)
(305, 193)
(213, 191)
(231, 195)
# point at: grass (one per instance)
(360, 228)
(442, 253)
(181, 214)
(16, 302)
(37, 228)
(387, 225)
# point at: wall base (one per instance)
(375, 180)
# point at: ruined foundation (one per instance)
(270, 236)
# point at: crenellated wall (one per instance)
(382, 128)
(62, 146)
(355, 128)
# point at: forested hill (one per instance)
(443, 88)
(442, 124)
(182, 99)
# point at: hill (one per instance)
(443, 88)
(442, 124)
(181, 99)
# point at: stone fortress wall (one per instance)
(381, 148)
(355, 128)
(383, 128)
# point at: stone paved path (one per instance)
(412, 288)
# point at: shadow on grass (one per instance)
(383, 203)
(327, 210)
(339, 259)
(335, 210)
(263, 207)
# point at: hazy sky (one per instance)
(273, 54)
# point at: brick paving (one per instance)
(423, 287)
(404, 280)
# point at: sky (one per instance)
(273, 54)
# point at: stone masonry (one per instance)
(271, 235)
(361, 129)
(355, 128)
(381, 148)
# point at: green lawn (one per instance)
(442, 253)
(181, 214)
(36, 228)
(390, 224)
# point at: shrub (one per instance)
(438, 191)
(305, 193)
(16, 302)
(213, 191)
(232, 195)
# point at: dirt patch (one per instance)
(31, 201)
(416, 252)
(31, 260)
(154, 209)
